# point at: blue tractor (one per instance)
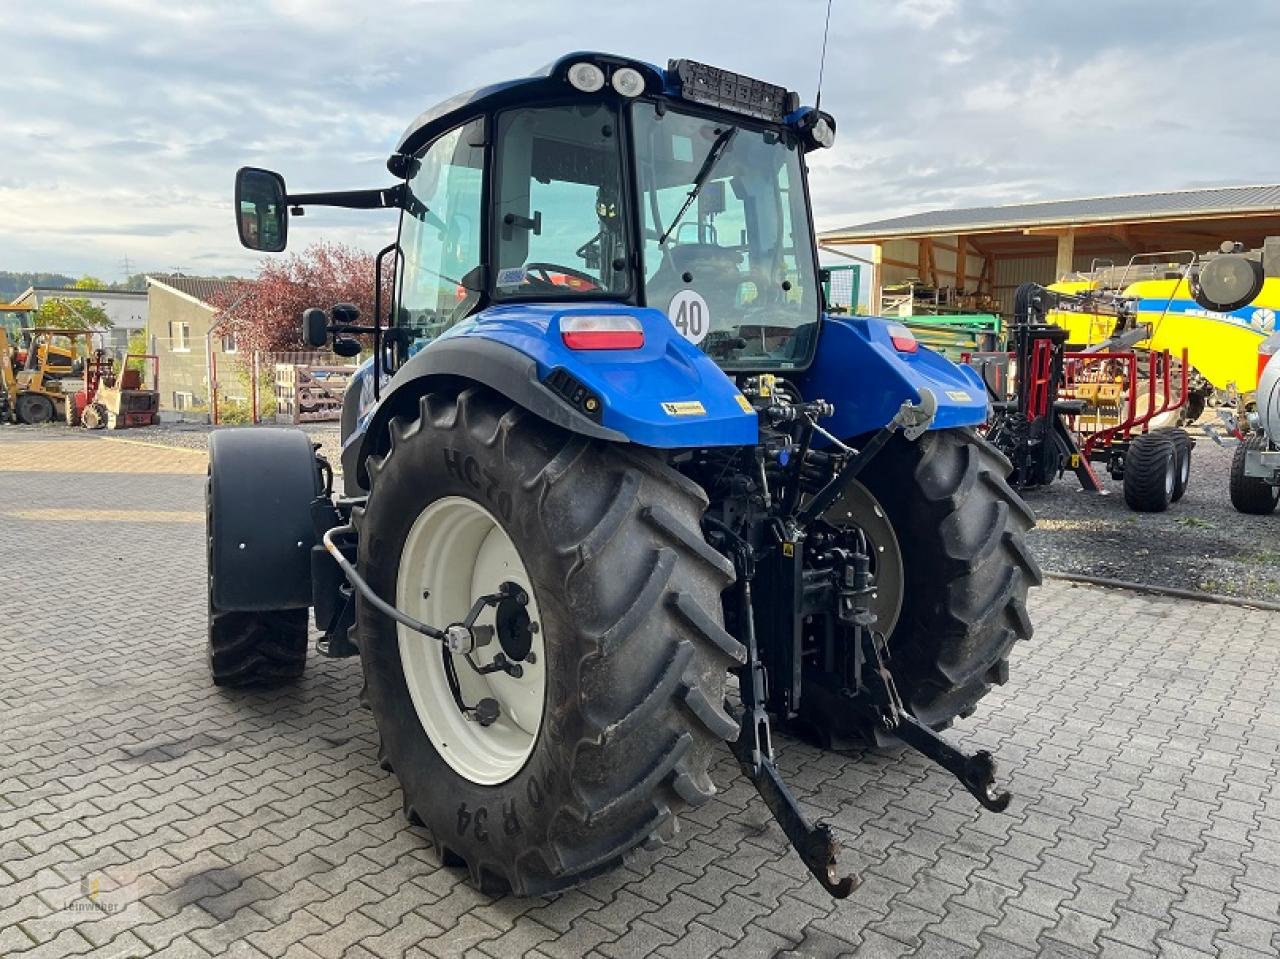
(609, 454)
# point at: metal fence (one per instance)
(207, 379)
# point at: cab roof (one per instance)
(551, 80)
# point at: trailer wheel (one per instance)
(1251, 494)
(1151, 472)
(962, 535)
(613, 723)
(35, 409)
(1182, 444)
(71, 409)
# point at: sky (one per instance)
(122, 122)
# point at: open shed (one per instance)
(974, 259)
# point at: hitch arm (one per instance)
(976, 771)
(753, 749)
(815, 845)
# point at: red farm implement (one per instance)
(1056, 408)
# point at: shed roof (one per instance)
(1128, 208)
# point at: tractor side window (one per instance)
(440, 232)
(559, 223)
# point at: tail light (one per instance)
(903, 340)
(607, 332)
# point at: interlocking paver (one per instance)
(1141, 737)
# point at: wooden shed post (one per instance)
(1066, 254)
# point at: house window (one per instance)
(180, 334)
(229, 343)
(182, 401)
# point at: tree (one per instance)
(265, 313)
(88, 282)
(72, 313)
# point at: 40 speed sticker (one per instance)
(689, 314)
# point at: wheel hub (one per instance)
(481, 708)
(515, 628)
(858, 507)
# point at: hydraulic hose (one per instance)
(356, 580)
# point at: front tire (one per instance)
(35, 409)
(258, 648)
(635, 657)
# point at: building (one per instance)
(976, 258)
(126, 308)
(179, 321)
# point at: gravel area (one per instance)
(196, 436)
(1201, 543)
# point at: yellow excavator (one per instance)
(34, 371)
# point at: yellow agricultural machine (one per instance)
(1159, 288)
(34, 371)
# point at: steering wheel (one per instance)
(546, 269)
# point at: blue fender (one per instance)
(666, 394)
(859, 370)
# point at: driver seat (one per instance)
(715, 276)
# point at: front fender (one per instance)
(858, 369)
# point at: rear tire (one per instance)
(967, 570)
(1250, 494)
(1150, 472)
(636, 656)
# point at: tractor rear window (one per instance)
(559, 220)
(727, 247)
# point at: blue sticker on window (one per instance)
(512, 276)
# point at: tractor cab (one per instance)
(603, 181)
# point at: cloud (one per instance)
(125, 120)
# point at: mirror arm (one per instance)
(391, 197)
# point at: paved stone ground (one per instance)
(143, 812)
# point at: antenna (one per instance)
(822, 61)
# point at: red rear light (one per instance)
(903, 340)
(607, 332)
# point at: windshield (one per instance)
(727, 250)
(560, 224)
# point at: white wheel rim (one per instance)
(456, 551)
(1170, 473)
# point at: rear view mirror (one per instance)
(315, 328)
(262, 213)
(711, 199)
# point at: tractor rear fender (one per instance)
(861, 371)
(666, 393)
(261, 484)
